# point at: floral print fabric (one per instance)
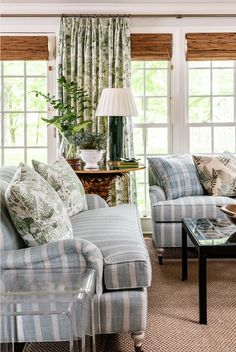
(95, 53)
(217, 174)
(36, 209)
(65, 182)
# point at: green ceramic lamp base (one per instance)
(116, 132)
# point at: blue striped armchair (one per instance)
(179, 196)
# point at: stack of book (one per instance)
(123, 164)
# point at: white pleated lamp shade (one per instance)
(116, 102)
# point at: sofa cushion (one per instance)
(10, 238)
(217, 174)
(63, 179)
(117, 233)
(177, 175)
(36, 209)
(7, 173)
(189, 207)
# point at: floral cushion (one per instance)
(64, 180)
(217, 174)
(36, 209)
(177, 175)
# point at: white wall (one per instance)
(112, 6)
(137, 24)
(42, 25)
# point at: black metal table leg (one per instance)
(184, 255)
(202, 279)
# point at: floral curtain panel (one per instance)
(95, 53)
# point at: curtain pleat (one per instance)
(95, 53)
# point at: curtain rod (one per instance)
(178, 16)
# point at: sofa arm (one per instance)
(157, 194)
(94, 201)
(64, 254)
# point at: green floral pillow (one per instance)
(217, 174)
(36, 209)
(64, 180)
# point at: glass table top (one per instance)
(38, 285)
(212, 232)
(38, 301)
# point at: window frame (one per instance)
(212, 123)
(179, 129)
(50, 130)
(144, 126)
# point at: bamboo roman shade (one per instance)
(154, 46)
(211, 46)
(24, 48)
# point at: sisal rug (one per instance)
(173, 312)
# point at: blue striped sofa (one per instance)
(108, 239)
(167, 215)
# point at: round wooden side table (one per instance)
(101, 181)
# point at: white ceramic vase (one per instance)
(91, 157)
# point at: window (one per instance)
(23, 133)
(27, 65)
(211, 92)
(211, 106)
(203, 105)
(150, 82)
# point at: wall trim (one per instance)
(162, 8)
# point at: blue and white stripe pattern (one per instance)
(189, 207)
(167, 215)
(115, 312)
(113, 246)
(116, 231)
(10, 238)
(168, 235)
(94, 201)
(176, 175)
(64, 254)
(156, 194)
(7, 173)
(123, 311)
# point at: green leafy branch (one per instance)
(70, 107)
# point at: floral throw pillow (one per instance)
(65, 182)
(36, 209)
(217, 174)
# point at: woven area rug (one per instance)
(173, 312)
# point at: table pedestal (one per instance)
(99, 184)
(103, 181)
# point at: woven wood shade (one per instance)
(24, 48)
(211, 46)
(155, 46)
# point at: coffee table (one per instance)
(212, 238)
(55, 298)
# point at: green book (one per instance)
(128, 166)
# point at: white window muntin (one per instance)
(210, 66)
(145, 127)
(50, 146)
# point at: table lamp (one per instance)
(116, 103)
